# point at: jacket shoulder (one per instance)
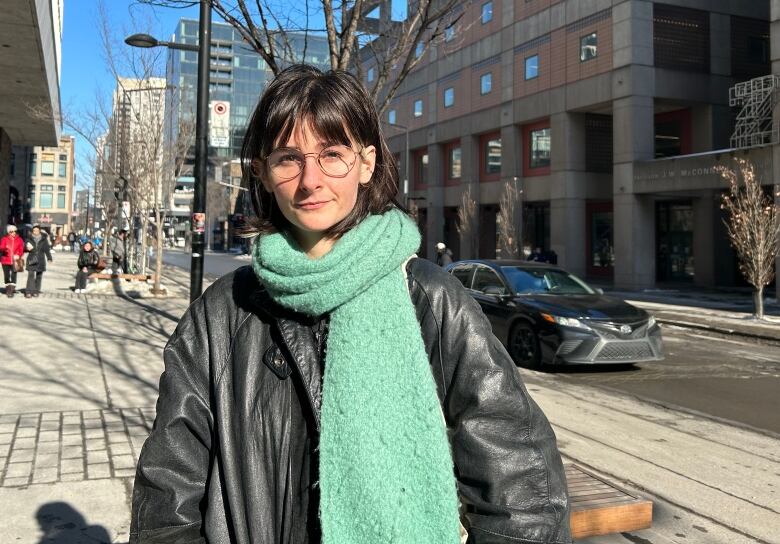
(429, 275)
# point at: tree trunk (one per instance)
(758, 303)
(144, 230)
(158, 255)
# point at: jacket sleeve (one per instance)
(47, 249)
(510, 476)
(170, 482)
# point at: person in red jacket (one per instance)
(11, 250)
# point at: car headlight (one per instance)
(565, 321)
(651, 322)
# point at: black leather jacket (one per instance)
(232, 456)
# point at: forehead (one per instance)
(306, 134)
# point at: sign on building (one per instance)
(219, 123)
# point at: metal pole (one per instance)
(197, 227)
(407, 181)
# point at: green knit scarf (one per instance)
(386, 473)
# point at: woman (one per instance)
(87, 263)
(340, 390)
(11, 251)
(39, 252)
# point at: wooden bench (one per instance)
(599, 507)
(110, 276)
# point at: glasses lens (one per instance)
(285, 163)
(337, 160)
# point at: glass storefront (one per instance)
(600, 242)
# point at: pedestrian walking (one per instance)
(443, 255)
(38, 252)
(340, 390)
(118, 262)
(11, 251)
(88, 264)
(73, 241)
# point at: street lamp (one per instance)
(198, 227)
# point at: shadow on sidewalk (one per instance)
(63, 524)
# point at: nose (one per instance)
(311, 176)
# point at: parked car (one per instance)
(544, 315)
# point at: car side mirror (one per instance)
(599, 290)
(494, 290)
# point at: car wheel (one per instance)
(524, 346)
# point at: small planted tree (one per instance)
(467, 220)
(509, 231)
(753, 226)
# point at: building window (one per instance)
(63, 158)
(589, 47)
(33, 157)
(391, 117)
(63, 169)
(487, 12)
(672, 133)
(418, 50)
(449, 33)
(490, 157)
(453, 165)
(449, 97)
(536, 149)
(46, 200)
(418, 108)
(47, 168)
(62, 188)
(532, 67)
(31, 201)
(370, 74)
(681, 38)
(61, 201)
(420, 168)
(486, 83)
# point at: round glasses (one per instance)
(336, 161)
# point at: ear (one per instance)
(367, 164)
(258, 170)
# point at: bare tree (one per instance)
(393, 48)
(753, 226)
(509, 231)
(134, 157)
(467, 221)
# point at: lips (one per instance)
(311, 205)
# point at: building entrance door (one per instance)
(674, 241)
(600, 239)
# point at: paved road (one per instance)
(721, 377)
(214, 264)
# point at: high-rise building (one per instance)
(611, 117)
(30, 60)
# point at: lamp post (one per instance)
(197, 228)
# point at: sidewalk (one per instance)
(721, 312)
(79, 384)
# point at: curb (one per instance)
(719, 330)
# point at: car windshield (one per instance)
(544, 280)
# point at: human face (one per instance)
(313, 201)
(36, 231)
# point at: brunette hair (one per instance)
(339, 110)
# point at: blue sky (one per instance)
(83, 66)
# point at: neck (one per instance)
(314, 244)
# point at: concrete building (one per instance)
(609, 114)
(44, 178)
(30, 60)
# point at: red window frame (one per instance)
(526, 143)
(448, 179)
(417, 154)
(684, 117)
(483, 141)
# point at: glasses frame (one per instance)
(358, 153)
